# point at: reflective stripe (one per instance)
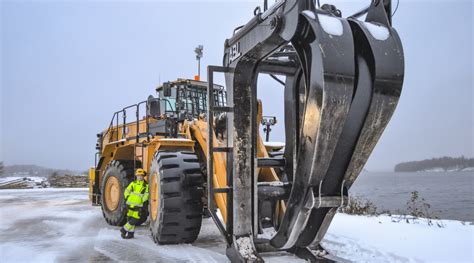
(129, 228)
(133, 203)
(133, 208)
(133, 193)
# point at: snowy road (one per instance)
(45, 225)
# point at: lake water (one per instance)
(450, 195)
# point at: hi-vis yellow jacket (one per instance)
(136, 193)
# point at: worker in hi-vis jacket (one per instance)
(136, 195)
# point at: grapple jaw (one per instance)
(341, 89)
(327, 61)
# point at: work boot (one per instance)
(123, 232)
(129, 235)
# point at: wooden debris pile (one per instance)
(23, 182)
(68, 181)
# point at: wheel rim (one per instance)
(154, 196)
(112, 193)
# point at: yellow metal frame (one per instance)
(129, 148)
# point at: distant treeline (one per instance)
(445, 163)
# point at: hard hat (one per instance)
(140, 172)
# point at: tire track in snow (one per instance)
(345, 247)
(142, 248)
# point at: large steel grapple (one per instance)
(343, 81)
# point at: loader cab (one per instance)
(182, 100)
(188, 98)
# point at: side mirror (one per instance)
(167, 89)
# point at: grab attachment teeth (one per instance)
(378, 61)
(328, 67)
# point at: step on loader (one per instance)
(201, 146)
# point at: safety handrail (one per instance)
(116, 116)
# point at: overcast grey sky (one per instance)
(66, 66)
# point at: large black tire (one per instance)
(122, 171)
(175, 204)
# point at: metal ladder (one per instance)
(138, 156)
(228, 190)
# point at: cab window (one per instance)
(165, 107)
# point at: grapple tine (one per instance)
(388, 72)
(380, 68)
(326, 53)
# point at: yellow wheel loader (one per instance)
(170, 143)
(200, 144)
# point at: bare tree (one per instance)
(1, 169)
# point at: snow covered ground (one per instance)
(44, 225)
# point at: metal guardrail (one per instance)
(113, 129)
(122, 114)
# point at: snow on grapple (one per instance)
(343, 79)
